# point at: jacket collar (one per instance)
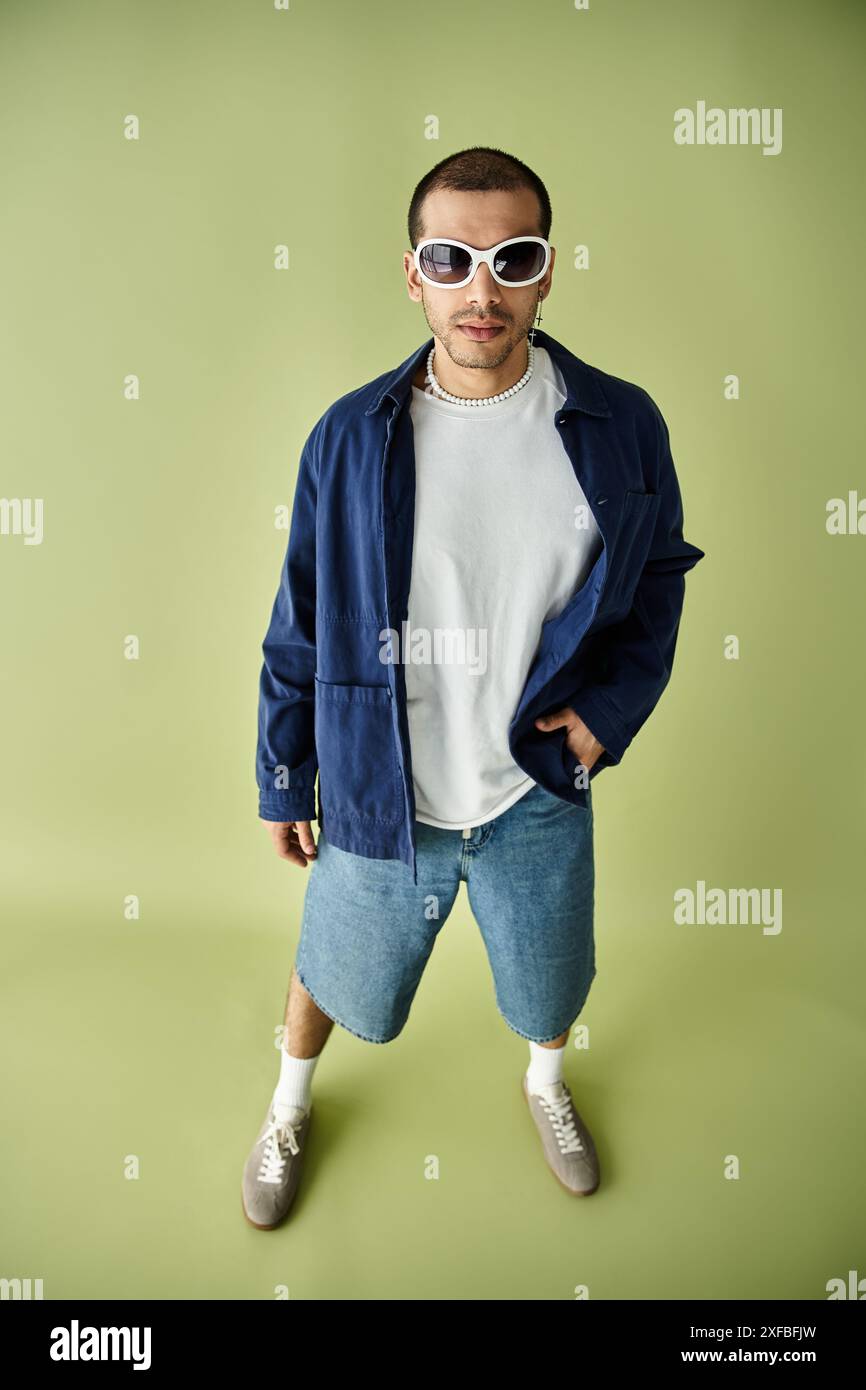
(584, 387)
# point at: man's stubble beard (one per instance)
(460, 349)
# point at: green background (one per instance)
(156, 1037)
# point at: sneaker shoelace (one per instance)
(279, 1140)
(556, 1103)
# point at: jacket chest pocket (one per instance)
(359, 775)
(631, 548)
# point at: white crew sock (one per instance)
(545, 1066)
(295, 1083)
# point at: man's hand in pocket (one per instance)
(580, 739)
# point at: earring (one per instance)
(537, 322)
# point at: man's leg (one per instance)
(531, 889)
(305, 1031)
(366, 935)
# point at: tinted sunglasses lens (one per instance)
(520, 261)
(445, 264)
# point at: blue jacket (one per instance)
(327, 701)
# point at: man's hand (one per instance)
(293, 840)
(579, 739)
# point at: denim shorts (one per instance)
(368, 929)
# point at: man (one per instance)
(477, 611)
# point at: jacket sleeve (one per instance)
(286, 761)
(632, 660)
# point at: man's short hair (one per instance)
(480, 169)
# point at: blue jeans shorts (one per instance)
(368, 929)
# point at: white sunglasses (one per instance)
(448, 264)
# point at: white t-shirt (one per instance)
(503, 539)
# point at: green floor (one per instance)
(153, 1045)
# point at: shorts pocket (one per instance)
(359, 774)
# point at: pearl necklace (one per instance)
(482, 400)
